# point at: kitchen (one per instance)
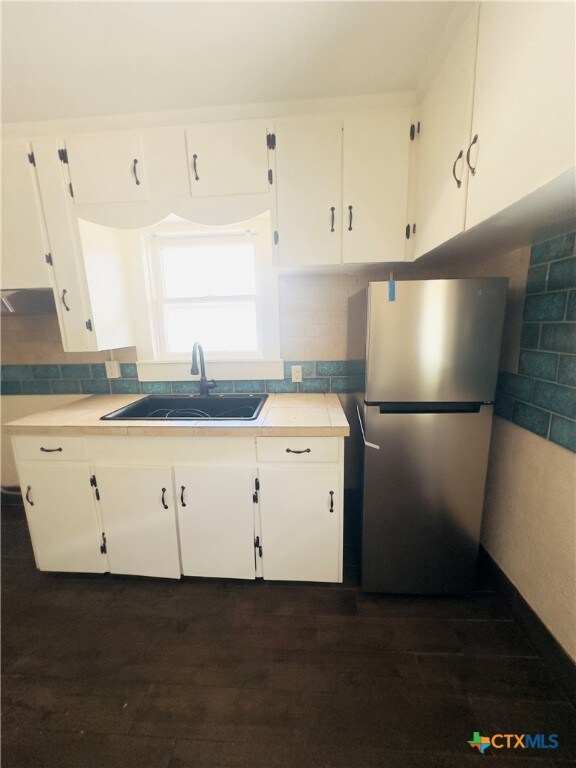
(528, 514)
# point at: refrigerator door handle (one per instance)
(366, 443)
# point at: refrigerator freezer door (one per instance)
(434, 340)
(423, 496)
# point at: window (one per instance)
(214, 285)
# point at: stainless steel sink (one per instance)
(192, 408)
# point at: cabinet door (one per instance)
(70, 290)
(106, 168)
(228, 158)
(301, 523)
(23, 244)
(524, 107)
(309, 191)
(139, 520)
(216, 521)
(62, 517)
(445, 124)
(376, 158)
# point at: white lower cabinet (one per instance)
(139, 520)
(240, 508)
(301, 523)
(62, 516)
(216, 520)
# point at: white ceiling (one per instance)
(82, 59)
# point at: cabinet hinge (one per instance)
(48, 258)
(103, 545)
(89, 324)
(271, 140)
(276, 238)
(256, 489)
(270, 177)
(63, 155)
(94, 485)
(258, 546)
(70, 189)
(410, 230)
(31, 158)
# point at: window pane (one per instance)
(208, 270)
(218, 326)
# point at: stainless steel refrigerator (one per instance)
(431, 350)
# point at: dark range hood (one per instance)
(27, 301)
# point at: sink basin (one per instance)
(192, 408)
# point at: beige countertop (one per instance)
(281, 415)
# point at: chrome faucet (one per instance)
(205, 384)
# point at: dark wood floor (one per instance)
(112, 672)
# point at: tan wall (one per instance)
(529, 527)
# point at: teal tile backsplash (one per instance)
(317, 376)
(541, 397)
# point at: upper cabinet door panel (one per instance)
(524, 107)
(375, 186)
(228, 158)
(23, 245)
(309, 191)
(445, 122)
(107, 168)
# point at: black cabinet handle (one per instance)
(28, 499)
(331, 502)
(456, 179)
(349, 218)
(52, 450)
(195, 168)
(332, 210)
(472, 168)
(290, 450)
(134, 171)
(164, 499)
(182, 496)
(64, 292)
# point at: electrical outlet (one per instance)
(112, 369)
(296, 373)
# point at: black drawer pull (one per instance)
(51, 450)
(332, 210)
(182, 496)
(331, 502)
(290, 450)
(195, 167)
(135, 172)
(28, 499)
(164, 499)
(456, 179)
(472, 168)
(64, 292)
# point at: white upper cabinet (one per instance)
(23, 245)
(309, 191)
(342, 188)
(523, 124)
(87, 266)
(107, 167)
(375, 186)
(445, 118)
(497, 121)
(229, 158)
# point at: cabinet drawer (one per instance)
(50, 448)
(307, 450)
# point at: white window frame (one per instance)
(154, 364)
